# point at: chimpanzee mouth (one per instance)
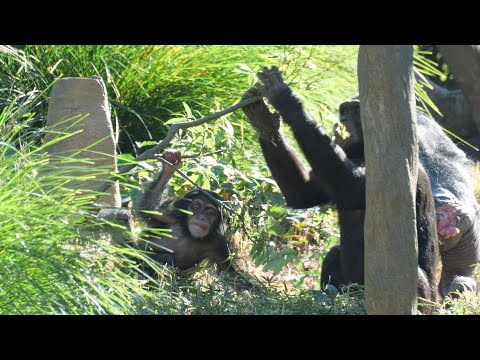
(201, 226)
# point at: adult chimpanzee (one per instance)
(334, 178)
(196, 225)
(456, 207)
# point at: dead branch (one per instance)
(150, 153)
(194, 156)
(182, 174)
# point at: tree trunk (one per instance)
(464, 63)
(385, 76)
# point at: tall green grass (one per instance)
(53, 258)
(147, 84)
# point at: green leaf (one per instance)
(243, 68)
(227, 185)
(125, 157)
(175, 120)
(277, 266)
(147, 143)
(228, 128)
(143, 173)
(151, 212)
(277, 210)
(187, 110)
(185, 211)
(276, 229)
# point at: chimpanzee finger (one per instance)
(178, 158)
(262, 90)
(276, 75)
(167, 155)
(264, 77)
(252, 92)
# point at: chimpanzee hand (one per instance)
(279, 94)
(265, 122)
(174, 157)
(273, 83)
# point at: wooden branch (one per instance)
(194, 156)
(182, 174)
(150, 153)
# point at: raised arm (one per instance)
(333, 171)
(152, 195)
(298, 186)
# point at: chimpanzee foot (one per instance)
(258, 114)
(461, 284)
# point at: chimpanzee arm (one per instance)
(153, 193)
(339, 176)
(297, 185)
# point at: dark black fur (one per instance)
(188, 250)
(448, 173)
(333, 179)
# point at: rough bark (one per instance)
(464, 63)
(70, 100)
(385, 75)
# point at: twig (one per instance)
(182, 174)
(150, 153)
(193, 156)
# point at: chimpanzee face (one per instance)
(204, 216)
(350, 118)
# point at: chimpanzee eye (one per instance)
(210, 212)
(195, 208)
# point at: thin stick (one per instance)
(182, 174)
(150, 153)
(193, 156)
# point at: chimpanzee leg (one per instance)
(332, 269)
(426, 292)
(459, 238)
(165, 258)
(428, 244)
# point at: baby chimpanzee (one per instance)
(195, 221)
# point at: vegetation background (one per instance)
(52, 260)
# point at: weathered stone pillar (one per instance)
(72, 99)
